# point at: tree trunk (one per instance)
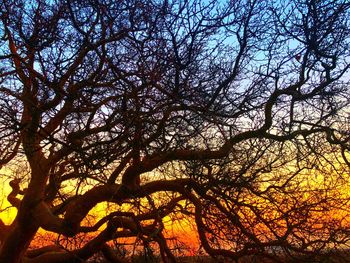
(17, 241)
(24, 227)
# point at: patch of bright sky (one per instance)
(7, 212)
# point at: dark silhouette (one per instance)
(232, 114)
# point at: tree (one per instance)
(234, 112)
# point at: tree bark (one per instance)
(24, 227)
(17, 242)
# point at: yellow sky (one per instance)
(7, 212)
(182, 229)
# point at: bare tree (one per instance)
(234, 114)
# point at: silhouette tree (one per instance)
(232, 114)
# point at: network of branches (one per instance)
(231, 115)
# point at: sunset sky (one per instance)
(216, 128)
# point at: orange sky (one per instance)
(184, 230)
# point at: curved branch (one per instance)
(201, 229)
(78, 208)
(12, 197)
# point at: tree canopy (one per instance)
(233, 114)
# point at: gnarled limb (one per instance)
(12, 197)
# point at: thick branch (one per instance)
(80, 207)
(12, 197)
